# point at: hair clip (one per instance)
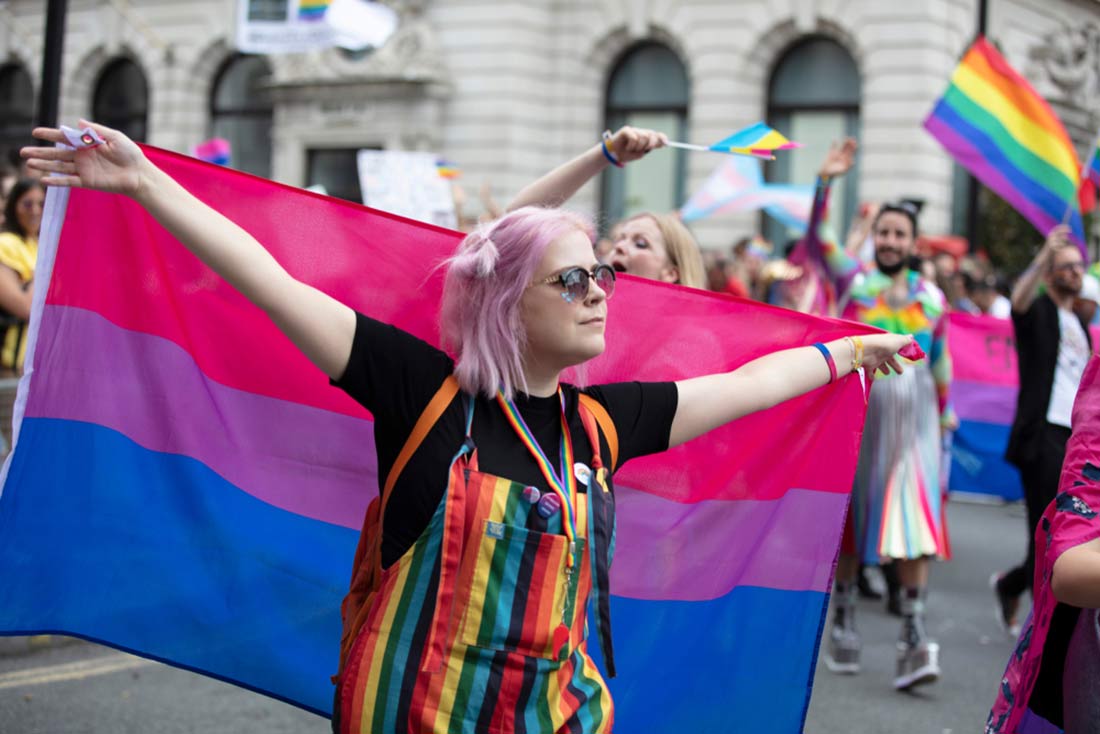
(86, 138)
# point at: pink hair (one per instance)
(486, 279)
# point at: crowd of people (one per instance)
(526, 297)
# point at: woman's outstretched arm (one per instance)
(710, 401)
(320, 326)
(558, 186)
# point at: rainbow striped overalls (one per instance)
(460, 635)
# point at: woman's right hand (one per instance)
(880, 352)
(116, 165)
(631, 143)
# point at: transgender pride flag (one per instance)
(186, 486)
(737, 185)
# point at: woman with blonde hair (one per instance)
(649, 245)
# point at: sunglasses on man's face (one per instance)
(575, 282)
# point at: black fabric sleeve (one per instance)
(392, 373)
(642, 413)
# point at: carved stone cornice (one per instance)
(410, 62)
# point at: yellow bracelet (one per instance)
(857, 360)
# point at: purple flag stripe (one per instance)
(983, 401)
(695, 552)
(966, 153)
(150, 390)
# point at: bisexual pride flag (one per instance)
(186, 486)
(984, 387)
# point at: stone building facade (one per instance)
(506, 90)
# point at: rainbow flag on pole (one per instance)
(997, 127)
(186, 486)
(1092, 167)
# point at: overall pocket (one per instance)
(517, 592)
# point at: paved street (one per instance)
(83, 688)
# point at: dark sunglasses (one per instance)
(575, 281)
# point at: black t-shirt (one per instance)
(394, 375)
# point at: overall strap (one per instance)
(439, 403)
(592, 408)
(601, 520)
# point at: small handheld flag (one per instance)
(446, 169)
(215, 150)
(1092, 166)
(759, 141)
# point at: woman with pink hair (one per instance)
(495, 525)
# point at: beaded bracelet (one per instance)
(606, 147)
(828, 359)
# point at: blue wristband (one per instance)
(828, 359)
(607, 151)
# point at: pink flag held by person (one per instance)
(185, 485)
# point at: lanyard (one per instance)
(565, 485)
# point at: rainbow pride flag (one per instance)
(446, 169)
(997, 127)
(186, 486)
(738, 185)
(1092, 168)
(310, 10)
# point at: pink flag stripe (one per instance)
(982, 350)
(217, 325)
(325, 468)
(985, 402)
(700, 551)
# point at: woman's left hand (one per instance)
(880, 352)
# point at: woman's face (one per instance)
(28, 210)
(640, 250)
(561, 333)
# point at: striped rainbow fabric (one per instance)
(312, 9)
(185, 485)
(998, 127)
(1092, 168)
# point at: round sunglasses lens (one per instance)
(605, 279)
(576, 283)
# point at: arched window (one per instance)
(121, 99)
(648, 87)
(241, 111)
(16, 105)
(813, 97)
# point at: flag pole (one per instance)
(705, 149)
